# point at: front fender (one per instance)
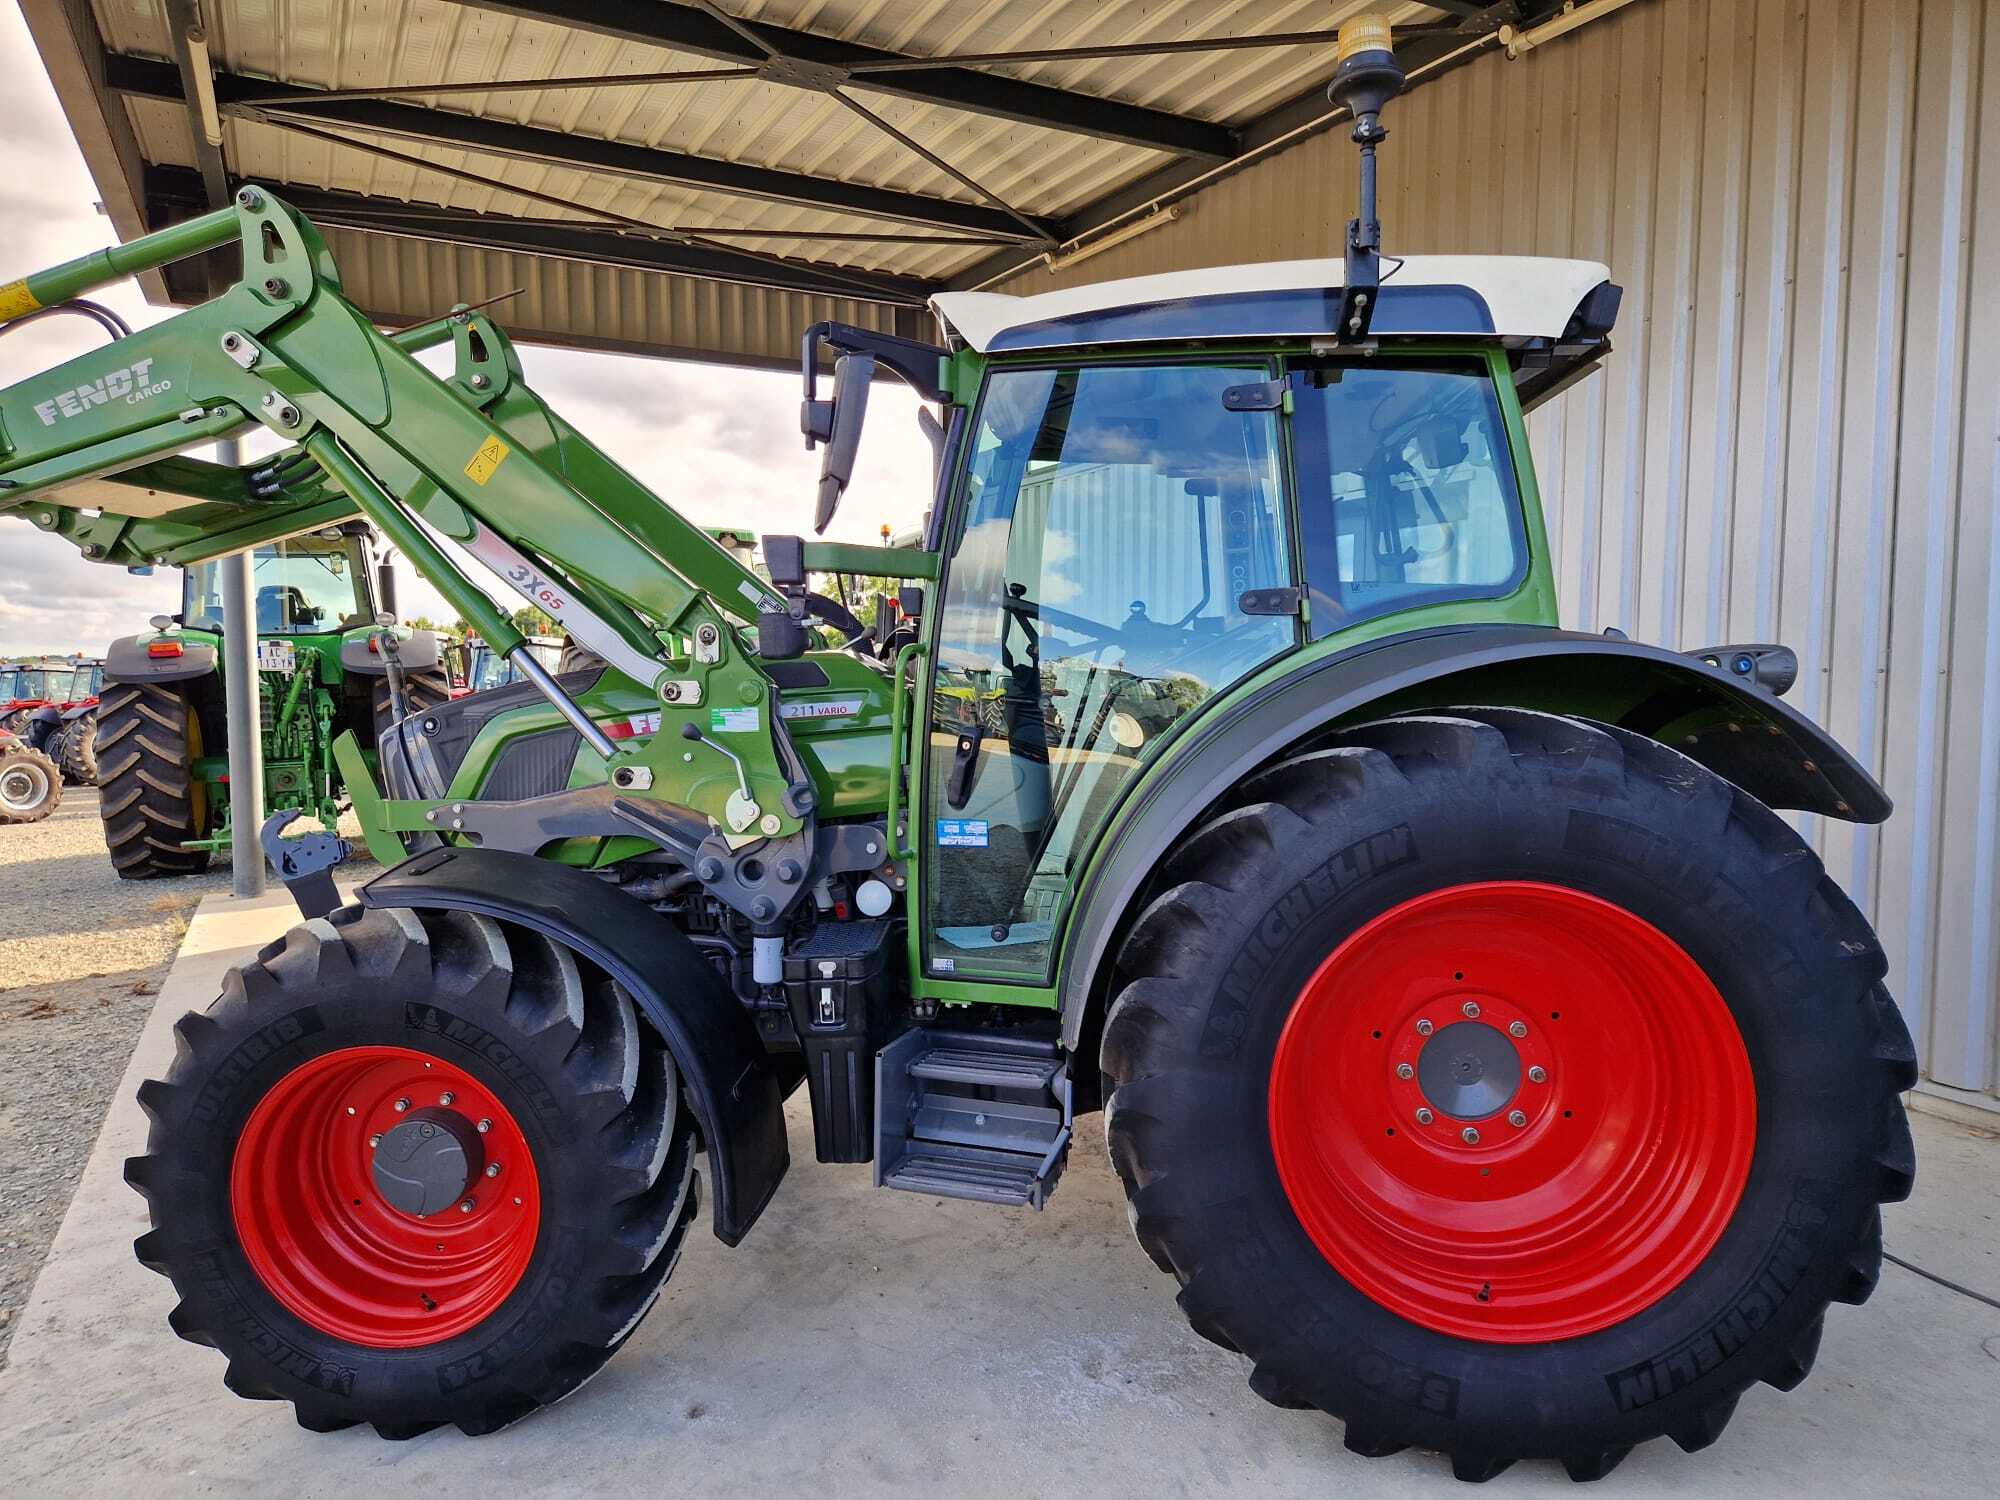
(1741, 732)
(724, 1070)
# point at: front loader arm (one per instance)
(88, 450)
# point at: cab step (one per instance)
(972, 1115)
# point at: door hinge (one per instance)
(1284, 601)
(1259, 395)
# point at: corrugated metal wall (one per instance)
(1796, 437)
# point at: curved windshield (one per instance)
(1121, 523)
(44, 683)
(305, 586)
(487, 668)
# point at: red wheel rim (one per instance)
(329, 1246)
(1569, 1202)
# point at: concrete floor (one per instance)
(862, 1343)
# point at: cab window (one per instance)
(299, 588)
(1118, 520)
(1406, 486)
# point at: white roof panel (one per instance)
(1526, 297)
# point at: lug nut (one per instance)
(1404, 1070)
(1538, 1075)
(1516, 1118)
(1471, 1008)
(484, 1126)
(446, 1097)
(1424, 1028)
(465, 1207)
(493, 1169)
(1517, 1028)
(401, 1105)
(1469, 1136)
(1424, 1117)
(374, 1140)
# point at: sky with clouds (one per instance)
(720, 445)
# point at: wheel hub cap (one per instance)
(1469, 1070)
(1512, 1112)
(428, 1163)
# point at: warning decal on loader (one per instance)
(16, 300)
(482, 465)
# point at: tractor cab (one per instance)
(1166, 485)
(85, 685)
(486, 669)
(33, 683)
(316, 584)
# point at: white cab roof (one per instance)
(1524, 297)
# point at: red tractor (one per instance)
(28, 686)
(71, 739)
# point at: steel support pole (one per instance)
(246, 740)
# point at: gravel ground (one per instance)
(82, 954)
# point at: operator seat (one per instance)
(280, 606)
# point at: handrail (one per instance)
(898, 748)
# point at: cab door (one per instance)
(1121, 557)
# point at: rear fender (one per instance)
(726, 1076)
(126, 661)
(417, 651)
(1725, 722)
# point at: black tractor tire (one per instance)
(554, 1043)
(1264, 893)
(77, 750)
(43, 730)
(577, 657)
(425, 690)
(30, 785)
(148, 738)
(17, 722)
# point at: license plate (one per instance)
(276, 656)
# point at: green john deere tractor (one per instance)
(162, 729)
(1482, 1055)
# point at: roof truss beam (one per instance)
(1425, 52)
(176, 192)
(690, 29)
(146, 78)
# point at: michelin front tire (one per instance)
(415, 1168)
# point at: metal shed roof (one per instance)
(705, 178)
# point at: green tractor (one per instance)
(1481, 1054)
(161, 747)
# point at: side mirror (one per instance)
(852, 375)
(385, 589)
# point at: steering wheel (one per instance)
(1100, 634)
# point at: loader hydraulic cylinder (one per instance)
(102, 267)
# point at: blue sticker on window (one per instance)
(961, 833)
